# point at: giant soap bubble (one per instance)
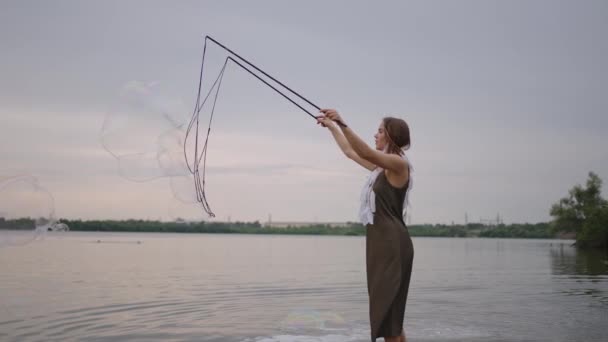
(144, 131)
(139, 132)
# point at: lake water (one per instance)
(272, 288)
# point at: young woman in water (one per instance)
(389, 249)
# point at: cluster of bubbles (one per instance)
(27, 210)
(144, 132)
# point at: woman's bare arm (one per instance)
(345, 145)
(386, 161)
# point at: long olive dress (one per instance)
(389, 258)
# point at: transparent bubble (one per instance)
(143, 131)
(59, 227)
(26, 210)
(170, 153)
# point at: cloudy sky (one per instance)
(507, 102)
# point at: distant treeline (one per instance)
(583, 214)
(526, 230)
(209, 227)
(539, 230)
(18, 224)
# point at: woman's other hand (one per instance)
(325, 121)
(333, 115)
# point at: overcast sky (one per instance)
(507, 101)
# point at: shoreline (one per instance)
(535, 231)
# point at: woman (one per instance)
(389, 249)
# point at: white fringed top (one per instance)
(368, 197)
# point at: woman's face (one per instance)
(380, 137)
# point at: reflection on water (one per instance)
(568, 260)
(580, 272)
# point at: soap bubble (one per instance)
(144, 131)
(26, 210)
(59, 227)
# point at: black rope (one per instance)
(263, 72)
(199, 182)
(275, 89)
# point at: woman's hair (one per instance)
(398, 135)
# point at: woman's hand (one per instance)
(333, 115)
(325, 121)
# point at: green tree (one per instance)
(584, 212)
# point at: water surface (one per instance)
(272, 288)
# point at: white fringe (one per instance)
(367, 207)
